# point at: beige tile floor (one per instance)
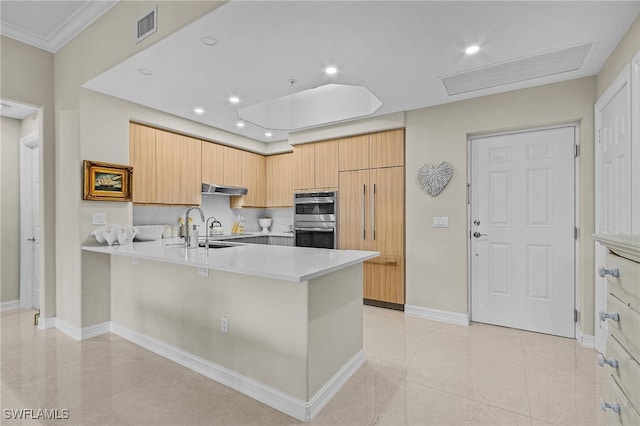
(417, 372)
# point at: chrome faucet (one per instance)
(186, 223)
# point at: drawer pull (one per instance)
(613, 272)
(611, 361)
(614, 316)
(611, 406)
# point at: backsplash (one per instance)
(218, 207)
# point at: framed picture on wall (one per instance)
(107, 182)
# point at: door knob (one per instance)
(611, 361)
(614, 316)
(613, 272)
(478, 235)
(609, 406)
(476, 222)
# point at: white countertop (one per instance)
(295, 264)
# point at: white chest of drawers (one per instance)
(622, 271)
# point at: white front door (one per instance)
(613, 195)
(522, 230)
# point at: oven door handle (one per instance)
(316, 229)
(315, 201)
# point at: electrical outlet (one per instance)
(203, 272)
(98, 218)
(224, 324)
(134, 260)
(441, 221)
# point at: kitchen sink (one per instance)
(218, 244)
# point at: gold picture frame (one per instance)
(107, 182)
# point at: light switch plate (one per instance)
(440, 221)
(99, 219)
(203, 272)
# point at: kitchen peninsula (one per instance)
(281, 324)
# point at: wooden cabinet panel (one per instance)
(353, 153)
(353, 210)
(212, 163)
(387, 210)
(326, 164)
(279, 183)
(303, 166)
(232, 166)
(384, 279)
(142, 154)
(190, 171)
(167, 167)
(386, 149)
(254, 176)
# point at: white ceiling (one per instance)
(49, 24)
(397, 50)
(16, 110)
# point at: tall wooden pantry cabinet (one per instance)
(371, 211)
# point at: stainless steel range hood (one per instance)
(212, 189)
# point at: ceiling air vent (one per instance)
(523, 69)
(147, 25)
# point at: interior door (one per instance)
(613, 195)
(522, 230)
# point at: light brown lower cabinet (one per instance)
(384, 279)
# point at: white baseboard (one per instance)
(294, 407)
(45, 323)
(10, 305)
(586, 340)
(437, 315)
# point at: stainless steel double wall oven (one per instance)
(315, 219)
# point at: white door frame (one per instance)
(27, 143)
(576, 191)
(622, 82)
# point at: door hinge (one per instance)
(575, 315)
(575, 232)
(468, 193)
(576, 150)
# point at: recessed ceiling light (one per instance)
(145, 71)
(472, 49)
(198, 111)
(208, 41)
(240, 124)
(234, 99)
(330, 70)
(268, 134)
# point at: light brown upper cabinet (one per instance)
(166, 166)
(190, 171)
(254, 174)
(279, 184)
(213, 163)
(315, 165)
(232, 167)
(142, 156)
(304, 166)
(375, 150)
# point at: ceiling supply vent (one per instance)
(147, 25)
(524, 69)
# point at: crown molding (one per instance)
(72, 26)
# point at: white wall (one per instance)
(27, 77)
(10, 210)
(436, 258)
